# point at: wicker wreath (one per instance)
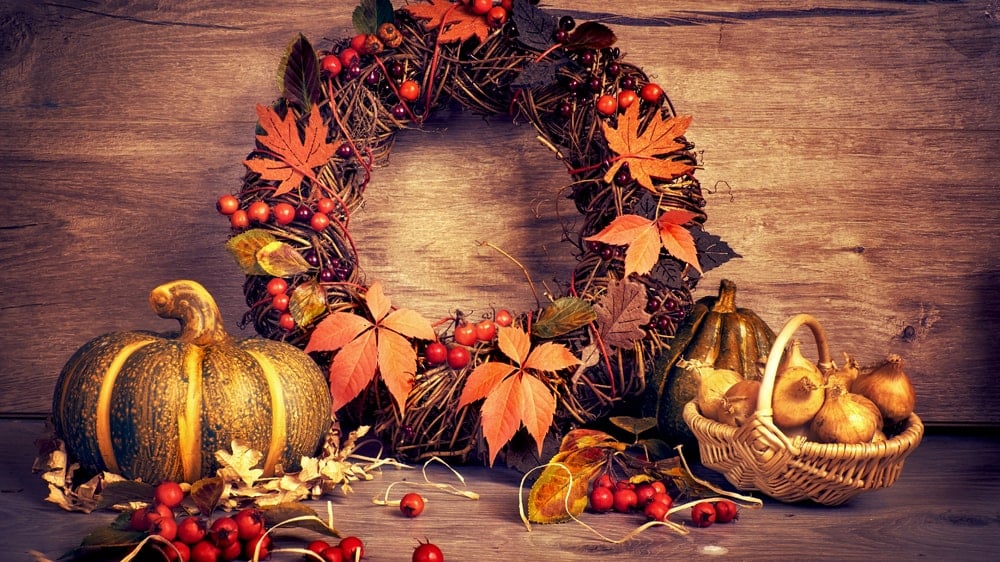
(632, 172)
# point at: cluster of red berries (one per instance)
(466, 336)
(281, 213)
(348, 549)
(653, 500)
(240, 536)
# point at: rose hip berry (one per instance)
(458, 357)
(224, 531)
(726, 511)
(465, 334)
(427, 552)
(436, 353)
(602, 499)
(412, 504)
(283, 213)
(332, 554)
(703, 514)
(656, 511)
(625, 500)
(503, 318)
(191, 529)
(353, 548)
(249, 523)
(486, 330)
(227, 204)
(277, 286)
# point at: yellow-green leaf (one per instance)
(564, 484)
(206, 493)
(279, 259)
(562, 317)
(633, 425)
(307, 303)
(244, 248)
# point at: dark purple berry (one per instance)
(652, 305)
(628, 83)
(328, 275)
(607, 253)
(303, 213)
(399, 111)
(311, 257)
(374, 77)
(560, 36)
(588, 58)
(565, 110)
(354, 71)
(567, 23)
(613, 69)
(396, 69)
(345, 151)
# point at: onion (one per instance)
(712, 386)
(739, 403)
(845, 418)
(846, 374)
(889, 388)
(798, 389)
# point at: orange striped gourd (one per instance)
(158, 406)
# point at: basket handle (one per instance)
(765, 398)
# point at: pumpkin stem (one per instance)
(192, 305)
(727, 297)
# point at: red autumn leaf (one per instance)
(644, 237)
(285, 157)
(454, 22)
(514, 395)
(364, 347)
(648, 153)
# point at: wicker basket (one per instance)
(759, 456)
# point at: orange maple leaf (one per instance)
(364, 347)
(454, 22)
(648, 153)
(285, 157)
(644, 237)
(514, 396)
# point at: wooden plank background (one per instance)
(849, 148)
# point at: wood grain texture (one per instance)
(943, 507)
(849, 148)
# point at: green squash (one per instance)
(158, 406)
(715, 334)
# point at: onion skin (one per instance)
(845, 418)
(712, 386)
(739, 403)
(889, 388)
(798, 390)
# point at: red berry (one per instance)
(179, 553)
(458, 357)
(165, 527)
(224, 531)
(607, 105)
(259, 211)
(497, 16)
(280, 302)
(626, 98)
(319, 221)
(277, 286)
(625, 500)
(465, 334)
(318, 546)
(659, 487)
(250, 547)
(191, 529)
(662, 497)
(349, 57)
(326, 205)
(239, 219)
(604, 481)
(624, 485)
(139, 521)
(227, 204)
(412, 504)
(331, 64)
(249, 523)
(427, 552)
(353, 548)
(160, 510)
(644, 494)
(286, 322)
(283, 213)
(726, 511)
(507, 5)
(703, 514)
(602, 499)
(481, 7)
(436, 353)
(332, 554)
(205, 551)
(409, 90)
(503, 318)
(360, 43)
(656, 511)
(230, 551)
(651, 93)
(486, 330)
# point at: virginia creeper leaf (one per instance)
(713, 251)
(647, 152)
(621, 313)
(364, 347)
(644, 237)
(535, 27)
(562, 317)
(283, 155)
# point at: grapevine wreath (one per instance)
(441, 387)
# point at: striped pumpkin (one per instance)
(158, 406)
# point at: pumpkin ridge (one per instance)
(103, 411)
(279, 415)
(189, 419)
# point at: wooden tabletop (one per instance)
(943, 507)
